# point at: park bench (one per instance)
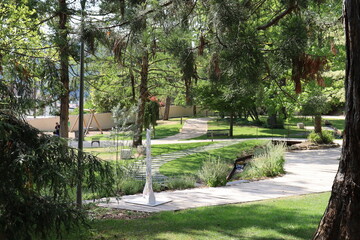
(95, 140)
(218, 132)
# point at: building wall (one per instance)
(106, 121)
(48, 124)
(179, 111)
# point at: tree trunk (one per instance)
(194, 111)
(139, 122)
(132, 78)
(231, 131)
(342, 216)
(272, 120)
(64, 68)
(188, 99)
(167, 108)
(317, 124)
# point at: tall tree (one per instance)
(63, 48)
(342, 216)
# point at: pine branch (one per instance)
(22, 54)
(219, 40)
(139, 17)
(275, 20)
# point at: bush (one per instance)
(38, 173)
(268, 162)
(182, 182)
(324, 137)
(214, 172)
(129, 186)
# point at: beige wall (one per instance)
(106, 121)
(48, 124)
(179, 111)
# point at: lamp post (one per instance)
(81, 110)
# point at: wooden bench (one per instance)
(95, 140)
(218, 132)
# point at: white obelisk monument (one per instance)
(148, 197)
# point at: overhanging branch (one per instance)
(140, 16)
(276, 19)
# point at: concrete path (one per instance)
(310, 171)
(193, 127)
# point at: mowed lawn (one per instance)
(191, 164)
(164, 129)
(290, 129)
(156, 149)
(290, 218)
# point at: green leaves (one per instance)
(37, 178)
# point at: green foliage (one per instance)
(129, 186)
(37, 176)
(180, 182)
(214, 172)
(125, 182)
(324, 137)
(151, 114)
(314, 102)
(267, 162)
(293, 38)
(192, 164)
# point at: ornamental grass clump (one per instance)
(126, 183)
(325, 137)
(214, 172)
(267, 162)
(181, 182)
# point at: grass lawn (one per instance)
(292, 218)
(291, 130)
(308, 121)
(108, 154)
(171, 128)
(191, 164)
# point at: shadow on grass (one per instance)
(294, 218)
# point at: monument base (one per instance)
(144, 201)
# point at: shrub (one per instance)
(129, 186)
(324, 137)
(38, 173)
(214, 172)
(157, 186)
(268, 162)
(182, 182)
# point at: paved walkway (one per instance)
(311, 171)
(306, 172)
(193, 127)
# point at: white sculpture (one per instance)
(148, 197)
(148, 192)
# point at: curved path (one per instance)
(309, 171)
(193, 127)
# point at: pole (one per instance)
(81, 110)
